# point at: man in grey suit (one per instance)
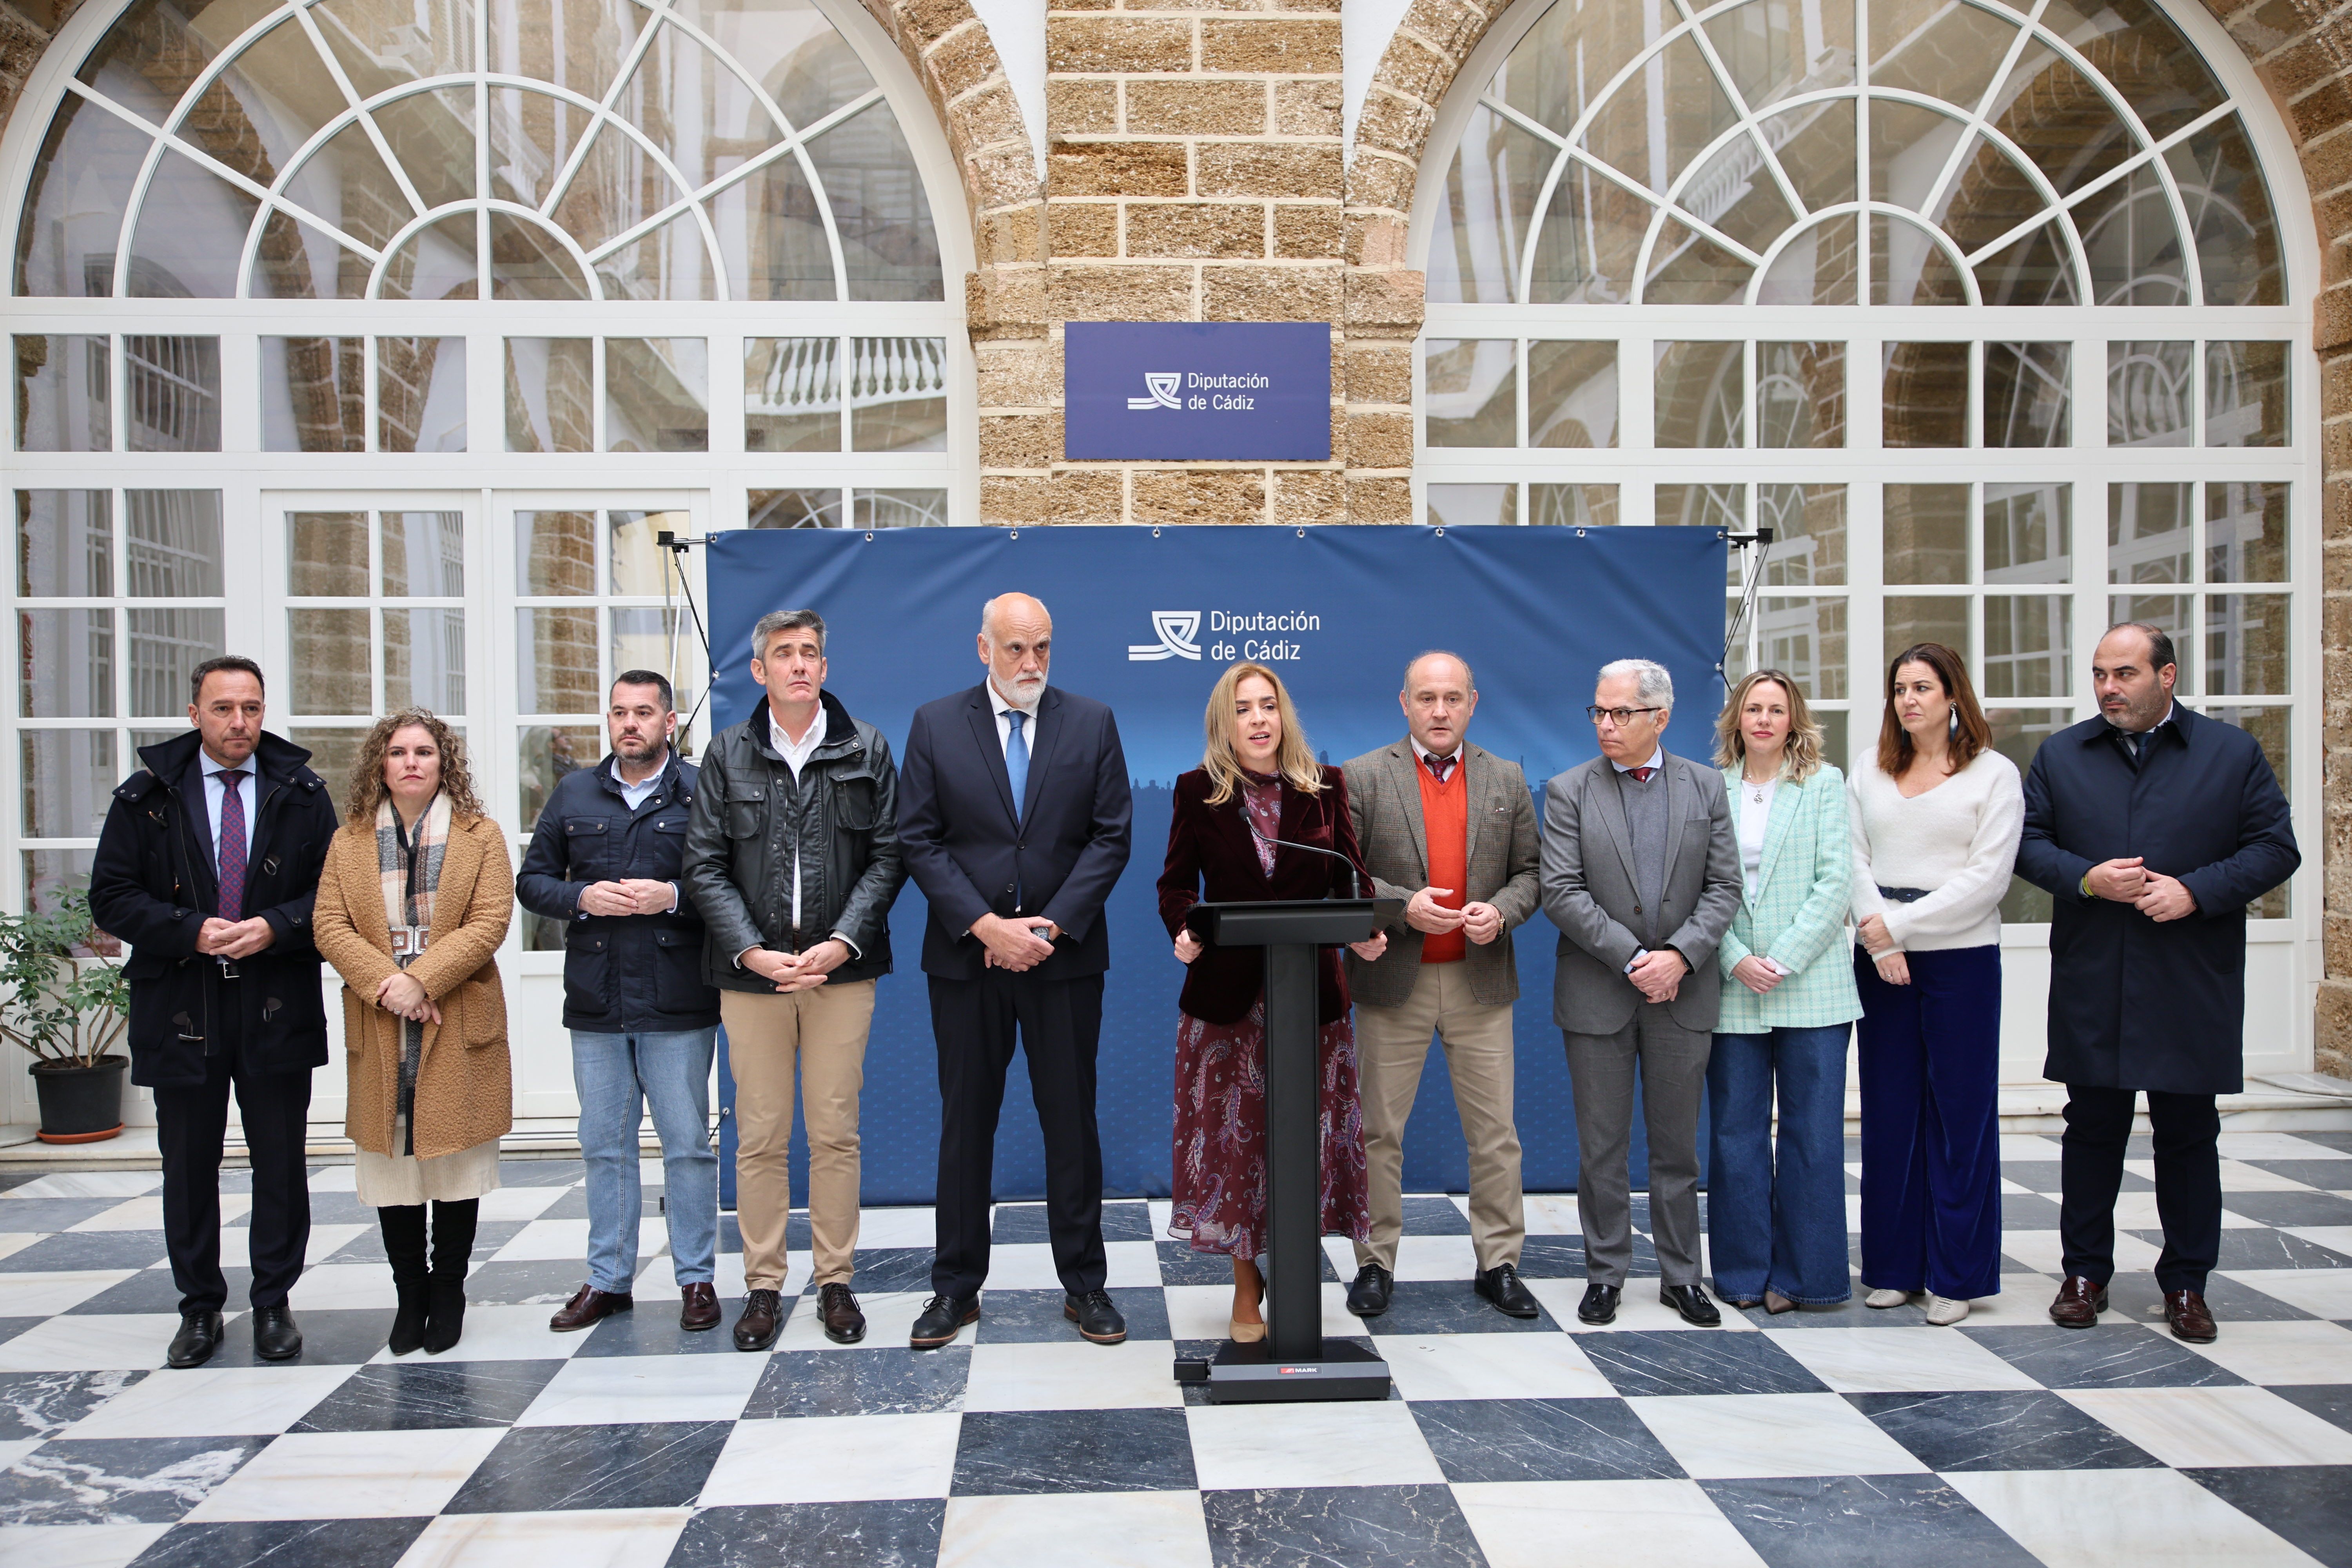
(1452, 830)
(1641, 873)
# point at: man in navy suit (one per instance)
(1014, 817)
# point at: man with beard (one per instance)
(605, 861)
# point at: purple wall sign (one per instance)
(1236, 391)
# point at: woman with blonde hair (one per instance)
(1258, 783)
(1776, 1216)
(413, 904)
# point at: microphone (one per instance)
(1355, 876)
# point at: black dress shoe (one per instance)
(1501, 1286)
(1599, 1304)
(275, 1335)
(1368, 1294)
(942, 1316)
(1096, 1316)
(1691, 1302)
(199, 1336)
(763, 1314)
(837, 1309)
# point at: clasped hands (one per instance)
(1659, 976)
(2158, 896)
(792, 971)
(1012, 944)
(632, 896)
(1188, 947)
(402, 993)
(1482, 924)
(217, 937)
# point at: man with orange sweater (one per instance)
(1451, 830)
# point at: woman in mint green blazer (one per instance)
(1776, 1220)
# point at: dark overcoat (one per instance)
(2135, 1003)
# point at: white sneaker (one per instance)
(1944, 1311)
(1885, 1299)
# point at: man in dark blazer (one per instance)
(2152, 828)
(208, 865)
(1014, 817)
(1641, 873)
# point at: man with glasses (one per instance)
(1641, 873)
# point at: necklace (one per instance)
(1756, 790)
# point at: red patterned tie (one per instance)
(231, 845)
(1641, 774)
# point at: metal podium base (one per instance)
(1242, 1375)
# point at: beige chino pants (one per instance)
(823, 1033)
(1390, 1045)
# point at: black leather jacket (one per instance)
(739, 845)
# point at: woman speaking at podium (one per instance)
(1259, 819)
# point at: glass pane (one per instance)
(2245, 532)
(327, 554)
(190, 233)
(1800, 394)
(1772, 49)
(1820, 266)
(1457, 505)
(898, 508)
(898, 394)
(164, 645)
(2175, 615)
(172, 389)
(640, 565)
(1808, 524)
(1924, 394)
(435, 263)
(1572, 394)
(555, 553)
(332, 668)
(1737, 196)
(528, 262)
(2148, 529)
(1815, 146)
(1689, 269)
(1924, 534)
(312, 395)
(2073, 147)
(2245, 394)
(2028, 533)
(1703, 506)
(2237, 239)
(423, 554)
(2038, 269)
(795, 509)
(1591, 236)
(1910, 144)
(557, 658)
(1701, 395)
(2167, 84)
(69, 779)
(549, 751)
(347, 184)
(1908, 268)
(653, 638)
(1570, 53)
(73, 206)
(173, 544)
(1490, 193)
(65, 544)
(670, 262)
(432, 133)
(772, 236)
(2150, 400)
(2133, 245)
(879, 209)
(67, 668)
(1651, 141)
(334, 753)
(1932, 46)
(1807, 638)
(1572, 505)
(51, 873)
(533, 133)
(550, 394)
(2245, 645)
(2018, 735)
(2027, 401)
(616, 187)
(791, 394)
(424, 659)
(2026, 645)
(420, 395)
(656, 395)
(1473, 392)
(62, 399)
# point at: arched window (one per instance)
(1987, 311)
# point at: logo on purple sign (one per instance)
(1230, 391)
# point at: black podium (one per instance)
(1293, 1361)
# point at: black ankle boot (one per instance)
(452, 1253)
(403, 1246)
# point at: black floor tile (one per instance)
(415, 1395)
(2028, 1210)
(1864, 1521)
(77, 1249)
(2311, 1505)
(2007, 1430)
(2262, 1247)
(1430, 1214)
(1553, 1257)
(25, 1215)
(886, 1269)
(2328, 1400)
(1124, 1219)
(650, 1328)
(328, 1209)
(1451, 1307)
(329, 1339)
(1541, 1440)
(653, 1464)
(891, 1381)
(541, 1172)
(1850, 1313)
(2138, 1297)
(1008, 1451)
(2330, 1139)
(1181, 1264)
(118, 1480)
(2044, 1177)
(43, 1404)
(489, 1237)
(1671, 1360)
(904, 1533)
(1310, 1527)
(548, 1282)
(2272, 1208)
(1029, 1316)
(151, 1290)
(284, 1544)
(11, 1327)
(2112, 1355)
(2328, 1175)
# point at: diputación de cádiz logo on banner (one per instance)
(1224, 391)
(1177, 630)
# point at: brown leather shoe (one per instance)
(589, 1307)
(764, 1313)
(2185, 1311)
(2079, 1303)
(700, 1310)
(836, 1307)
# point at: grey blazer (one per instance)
(1588, 891)
(1384, 799)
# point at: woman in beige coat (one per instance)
(413, 904)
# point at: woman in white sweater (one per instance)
(1935, 817)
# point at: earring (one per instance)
(1954, 727)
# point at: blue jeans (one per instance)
(1778, 1222)
(618, 1076)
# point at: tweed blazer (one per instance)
(1384, 800)
(465, 1087)
(1804, 885)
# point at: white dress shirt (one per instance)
(1451, 760)
(1004, 726)
(216, 788)
(634, 795)
(796, 754)
(1657, 760)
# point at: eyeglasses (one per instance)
(1621, 716)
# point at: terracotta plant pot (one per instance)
(80, 1104)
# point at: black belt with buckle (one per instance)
(1905, 895)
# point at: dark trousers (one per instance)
(1929, 1053)
(2188, 1182)
(190, 1122)
(1059, 1024)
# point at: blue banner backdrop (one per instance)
(1145, 621)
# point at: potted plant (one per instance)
(65, 1000)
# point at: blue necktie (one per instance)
(1016, 762)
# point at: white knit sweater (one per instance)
(1959, 840)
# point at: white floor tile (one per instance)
(100, 1341)
(1206, 1311)
(1072, 1376)
(1427, 1257)
(349, 1286)
(2324, 1291)
(2284, 1353)
(897, 1227)
(41, 1295)
(1724, 1437)
(335, 1179)
(16, 1448)
(2191, 1427)
(2335, 1237)
(2042, 1250)
(887, 1319)
(2277, 1146)
(1529, 1524)
(1121, 1530)
(1029, 1265)
(89, 1185)
(2239, 1177)
(147, 1213)
(352, 1475)
(495, 1333)
(2023, 1303)
(845, 1458)
(1551, 1213)
(17, 1240)
(546, 1241)
(1638, 1308)
(2030, 1148)
(587, 1538)
(2150, 1519)
(510, 1204)
(656, 1283)
(1898, 1361)
(1491, 1366)
(1341, 1444)
(1162, 1212)
(78, 1545)
(212, 1402)
(608, 1390)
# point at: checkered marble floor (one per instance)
(1824, 1437)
